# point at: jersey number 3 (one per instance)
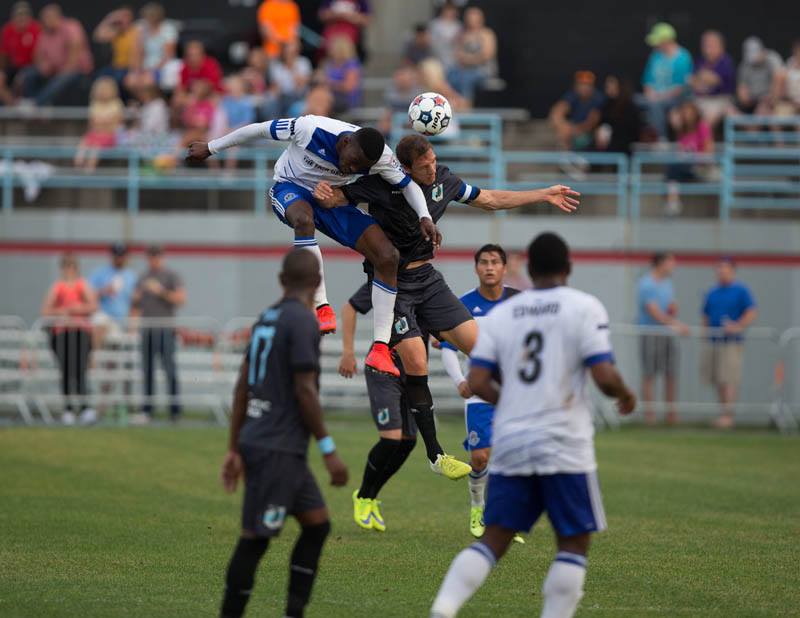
(532, 363)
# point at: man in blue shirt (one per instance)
(666, 76)
(114, 284)
(577, 113)
(729, 307)
(659, 353)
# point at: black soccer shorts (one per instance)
(388, 404)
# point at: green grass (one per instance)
(113, 522)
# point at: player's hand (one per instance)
(231, 471)
(627, 403)
(430, 232)
(328, 196)
(347, 365)
(336, 469)
(563, 197)
(464, 390)
(198, 151)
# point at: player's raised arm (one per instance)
(560, 196)
(283, 129)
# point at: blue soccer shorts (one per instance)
(478, 416)
(572, 501)
(344, 224)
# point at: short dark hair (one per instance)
(371, 142)
(299, 269)
(659, 258)
(420, 28)
(154, 250)
(491, 248)
(411, 147)
(548, 254)
(728, 259)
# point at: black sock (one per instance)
(395, 463)
(377, 461)
(241, 573)
(420, 401)
(303, 567)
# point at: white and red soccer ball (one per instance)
(430, 113)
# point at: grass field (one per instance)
(112, 522)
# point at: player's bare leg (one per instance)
(462, 336)
(300, 216)
(384, 257)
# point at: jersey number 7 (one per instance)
(532, 363)
(260, 346)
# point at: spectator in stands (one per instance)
(153, 118)
(760, 78)
(397, 97)
(69, 303)
(197, 65)
(620, 121)
(158, 294)
(319, 102)
(714, 79)
(18, 41)
(278, 23)
(6, 95)
(291, 74)
(576, 115)
(444, 31)
(694, 136)
(238, 110)
(346, 18)
(199, 113)
(475, 54)
(730, 308)
(118, 30)
(666, 76)
(418, 47)
(659, 352)
(342, 71)
(432, 79)
(156, 47)
(789, 104)
(106, 120)
(61, 58)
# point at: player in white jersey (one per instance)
(490, 266)
(327, 150)
(545, 343)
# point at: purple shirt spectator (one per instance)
(724, 68)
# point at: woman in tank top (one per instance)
(476, 54)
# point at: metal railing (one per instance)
(208, 355)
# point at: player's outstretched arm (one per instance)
(232, 464)
(482, 384)
(560, 196)
(307, 394)
(610, 383)
(199, 151)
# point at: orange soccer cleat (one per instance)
(380, 359)
(327, 319)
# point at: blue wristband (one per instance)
(326, 445)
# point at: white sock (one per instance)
(310, 243)
(563, 586)
(466, 574)
(383, 297)
(477, 487)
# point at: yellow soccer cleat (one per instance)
(476, 527)
(518, 538)
(378, 522)
(449, 466)
(362, 511)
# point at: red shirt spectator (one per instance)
(18, 37)
(197, 65)
(344, 18)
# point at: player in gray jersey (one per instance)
(276, 409)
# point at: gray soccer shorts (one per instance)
(659, 356)
(387, 402)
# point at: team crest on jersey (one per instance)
(383, 416)
(473, 438)
(289, 196)
(438, 193)
(274, 517)
(401, 326)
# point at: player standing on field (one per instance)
(326, 150)
(275, 409)
(490, 266)
(545, 343)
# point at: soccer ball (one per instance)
(430, 113)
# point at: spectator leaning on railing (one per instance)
(18, 41)
(659, 352)
(714, 79)
(68, 305)
(159, 292)
(729, 306)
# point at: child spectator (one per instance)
(714, 79)
(290, 74)
(575, 116)
(760, 78)
(237, 109)
(342, 71)
(259, 84)
(198, 114)
(693, 135)
(106, 119)
(444, 31)
(620, 121)
(151, 132)
(476, 55)
(156, 46)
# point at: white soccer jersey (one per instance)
(311, 155)
(543, 342)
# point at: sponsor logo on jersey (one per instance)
(383, 416)
(473, 438)
(289, 196)
(322, 151)
(401, 326)
(438, 193)
(274, 517)
(257, 407)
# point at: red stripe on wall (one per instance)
(275, 251)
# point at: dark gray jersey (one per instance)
(284, 341)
